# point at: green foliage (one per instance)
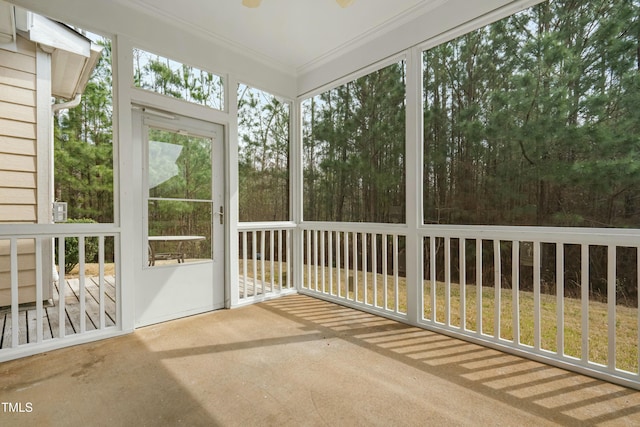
(71, 247)
(83, 148)
(263, 127)
(354, 150)
(542, 110)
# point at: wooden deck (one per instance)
(27, 329)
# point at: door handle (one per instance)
(221, 214)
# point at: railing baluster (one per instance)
(330, 245)
(244, 263)
(611, 306)
(584, 297)
(315, 259)
(102, 317)
(560, 298)
(638, 309)
(432, 275)
(338, 260)
(280, 260)
(263, 278)
(515, 288)
(288, 260)
(497, 284)
(479, 286)
(364, 267)
(39, 284)
(309, 258)
(13, 259)
(447, 281)
(81, 259)
(322, 262)
(355, 266)
(396, 271)
(536, 295)
(374, 261)
(385, 270)
(346, 265)
(272, 261)
(462, 262)
(254, 257)
(62, 285)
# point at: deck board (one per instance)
(27, 318)
(109, 299)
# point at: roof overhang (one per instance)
(73, 56)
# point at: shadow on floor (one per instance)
(300, 361)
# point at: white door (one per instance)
(182, 208)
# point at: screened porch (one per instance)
(464, 172)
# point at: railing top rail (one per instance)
(258, 226)
(568, 235)
(366, 227)
(74, 229)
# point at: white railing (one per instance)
(564, 296)
(559, 295)
(43, 306)
(265, 261)
(358, 265)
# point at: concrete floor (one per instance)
(299, 361)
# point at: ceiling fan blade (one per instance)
(344, 3)
(251, 3)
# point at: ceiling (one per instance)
(296, 35)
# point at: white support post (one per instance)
(296, 204)
(413, 196)
(232, 201)
(127, 185)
